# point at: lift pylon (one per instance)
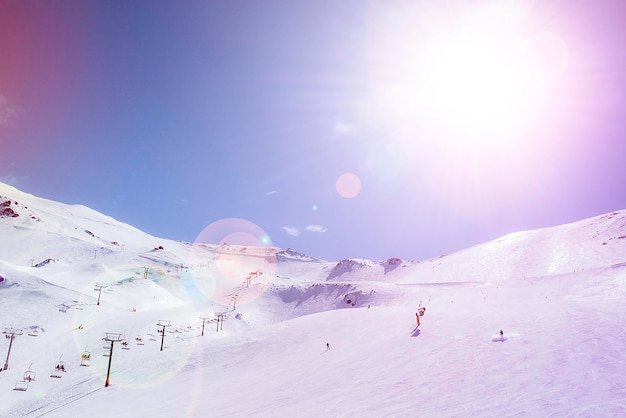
(111, 338)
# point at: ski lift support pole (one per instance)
(10, 334)
(98, 288)
(220, 320)
(204, 318)
(111, 338)
(163, 324)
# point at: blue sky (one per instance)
(175, 115)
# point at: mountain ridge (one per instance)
(78, 223)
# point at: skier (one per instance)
(501, 334)
(327, 346)
(417, 317)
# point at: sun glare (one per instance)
(477, 86)
(479, 76)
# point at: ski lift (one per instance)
(151, 336)
(85, 359)
(29, 375)
(21, 385)
(62, 308)
(59, 369)
(125, 345)
(33, 333)
(139, 339)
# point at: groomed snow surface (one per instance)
(558, 295)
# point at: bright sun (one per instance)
(477, 84)
(479, 77)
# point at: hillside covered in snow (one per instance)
(227, 329)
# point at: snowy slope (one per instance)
(558, 294)
(588, 244)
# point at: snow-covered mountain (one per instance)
(246, 328)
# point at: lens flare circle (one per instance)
(348, 185)
(233, 262)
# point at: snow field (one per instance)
(554, 361)
(558, 294)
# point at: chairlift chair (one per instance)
(21, 385)
(85, 359)
(59, 369)
(139, 340)
(29, 376)
(125, 345)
